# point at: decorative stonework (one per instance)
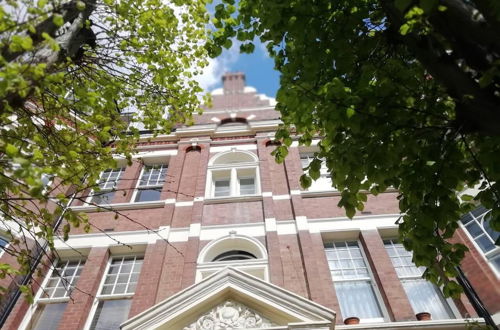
(230, 315)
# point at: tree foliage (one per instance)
(405, 94)
(69, 70)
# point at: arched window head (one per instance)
(232, 247)
(233, 157)
(243, 252)
(234, 255)
(233, 174)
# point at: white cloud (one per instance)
(212, 73)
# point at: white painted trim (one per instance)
(302, 223)
(286, 227)
(194, 230)
(281, 197)
(156, 153)
(270, 224)
(496, 318)
(119, 206)
(452, 324)
(326, 227)
(231, 242)
(267, 194)
(233, 199)
(275, 299)
(239, 147)
(186, 203)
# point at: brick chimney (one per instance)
(234, 82)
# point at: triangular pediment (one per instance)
(232, 299)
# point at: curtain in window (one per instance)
(357, 299)
(424, 297)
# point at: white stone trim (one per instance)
(232, 241)
(327, 227)
(270, 224)
(267, 194)
(451, 324)
(275, 301)
(118, 206)
(194, 230)
(244, 147)
(281, 197)
(302, 223)
(185, 203)
(286, 227)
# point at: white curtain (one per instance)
(357, 299)
(426, 297)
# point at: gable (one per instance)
(232, 299)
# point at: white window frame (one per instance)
(106, 190)
(100, 297)
(370, 278)
(495, 252)
(39, 300)
(257, 267)
(139, 187)
(324, 182)
(449, 301)
(4, 238)
(236, 171)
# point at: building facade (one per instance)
(206, 231)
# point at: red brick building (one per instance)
(212, 233)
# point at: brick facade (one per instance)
(291, 223)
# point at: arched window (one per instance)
(233, 174)
(239, 251)
(477, 224)
(234, 255)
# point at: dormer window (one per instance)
(233, 174)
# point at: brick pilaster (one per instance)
(147, 287)
(390, 287)
(127, 183)
(77, 310)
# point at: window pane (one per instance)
(47, 316)
(485, 243)
(148, 195)
(110, 314)
(63, 279)
(247, 186)
(3, 242)
(124, 267)
(109, 178)
(495, 261)
(221, 188)
(474, 229)
(103, 197)
(426, 297)
(153, 175)
(357, 299)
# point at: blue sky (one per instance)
(258, 68)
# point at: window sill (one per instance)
(334, 192)
(319, 193)
(449, 324)
(118, 206)
(233, 199)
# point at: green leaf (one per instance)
(58, 20)
(11, 150)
